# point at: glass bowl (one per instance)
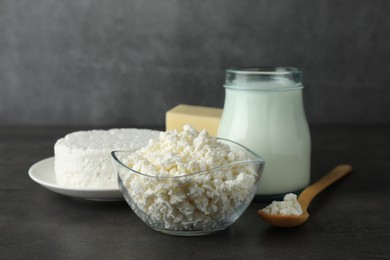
(193, 204)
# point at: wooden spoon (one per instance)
(305, 198)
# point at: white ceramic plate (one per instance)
(42, 172)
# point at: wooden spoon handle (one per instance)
(311, 191)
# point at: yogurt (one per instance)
(265, 113)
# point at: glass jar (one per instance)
(264, 111)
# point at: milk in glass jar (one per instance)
(264, 111)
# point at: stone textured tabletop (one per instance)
(349, 220)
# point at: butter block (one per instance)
(199, 117)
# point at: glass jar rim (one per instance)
(263, 78)
(263, 70)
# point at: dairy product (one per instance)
(289, 206)
(198, 116)
(83, 159)
(172, 193)
(268, 118)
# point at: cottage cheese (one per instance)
(174, 194)
(289, 206)
(83, 159)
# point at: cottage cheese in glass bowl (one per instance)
(188, 183)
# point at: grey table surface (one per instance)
(349, 220)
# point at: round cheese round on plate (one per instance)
(83, 158)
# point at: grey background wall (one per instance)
(94, 62)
